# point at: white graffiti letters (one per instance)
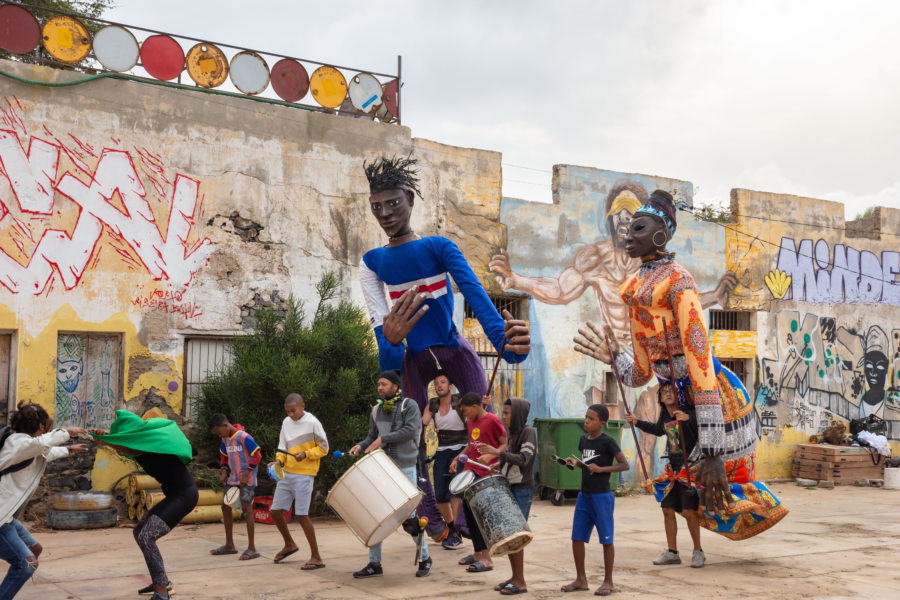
(852, 276)
(30, 175)
(32, 178)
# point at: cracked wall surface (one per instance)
(160, 215)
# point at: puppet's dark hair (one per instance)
(393, 173)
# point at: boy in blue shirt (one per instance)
(594, 509)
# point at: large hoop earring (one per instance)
(658, 244)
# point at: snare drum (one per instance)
(461, 481)
(374, 497)
(499, 518)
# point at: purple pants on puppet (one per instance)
(463, 368)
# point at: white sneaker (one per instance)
(698, 559)
(668, 558)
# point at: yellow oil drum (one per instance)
(66, 39)
(207, 65)
(328, 86)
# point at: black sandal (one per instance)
(149, 589)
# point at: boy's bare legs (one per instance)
(609, 555)
(228, 519)
(580, 582)
(248, 519)
(281, 525)
(693, 523)
(672, 528)
(517, 563)
(310, 533)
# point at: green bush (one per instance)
(331, 361)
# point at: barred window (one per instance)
(733, 320)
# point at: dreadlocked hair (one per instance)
(393, 173)
(28, 419)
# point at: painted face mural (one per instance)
(68, 373)
(876, 364)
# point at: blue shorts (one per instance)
(593, 511)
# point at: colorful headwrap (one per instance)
(660, 204)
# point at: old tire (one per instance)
(82, 501)
(81, 519)
(558, 498)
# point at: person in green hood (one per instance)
(162, 451)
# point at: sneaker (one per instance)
(370, 570)
(668, 558)
(698, 559)
(424, 568)
(453, 542)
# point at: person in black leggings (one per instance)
(180, 493)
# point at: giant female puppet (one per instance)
(667, 328)
(415, 272)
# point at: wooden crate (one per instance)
(840, 464)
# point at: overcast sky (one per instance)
(799, 97)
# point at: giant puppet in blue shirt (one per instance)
(415, 273)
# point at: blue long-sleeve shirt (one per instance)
(427, 265)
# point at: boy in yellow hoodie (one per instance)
(301, 444)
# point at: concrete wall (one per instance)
(152, 214)
(829, 333)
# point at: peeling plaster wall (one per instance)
(155, 214)
(829, 320)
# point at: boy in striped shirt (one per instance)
(240, 455)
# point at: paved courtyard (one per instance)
(840, 543)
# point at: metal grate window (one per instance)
(203, 357)
(733, 320)
(738, 366)
(514, 304)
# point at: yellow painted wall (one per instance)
(733, 344)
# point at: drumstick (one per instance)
(465, 459)
(615, 369)
(687, 466)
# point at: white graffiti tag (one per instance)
(32, 177)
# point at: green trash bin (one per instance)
(560, 437)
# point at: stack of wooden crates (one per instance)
(841, 464)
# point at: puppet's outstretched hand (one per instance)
(405, 313)
(590, 341)
(518, 337)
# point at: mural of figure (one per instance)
(875, 368)
(603, 266)
(68, 373)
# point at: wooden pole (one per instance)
(615, 369)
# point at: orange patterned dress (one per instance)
(667, 318)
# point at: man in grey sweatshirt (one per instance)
(395, 426)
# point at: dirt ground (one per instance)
(840, 543)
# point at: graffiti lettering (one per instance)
(31, 177)
(817, 274)
(188, 310)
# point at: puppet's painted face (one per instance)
(641, 234)
(393, 209)
(876, 364)
(68, 373)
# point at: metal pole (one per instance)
(399, 85)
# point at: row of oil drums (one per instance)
(67, 40)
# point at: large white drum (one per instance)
(374, 497)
